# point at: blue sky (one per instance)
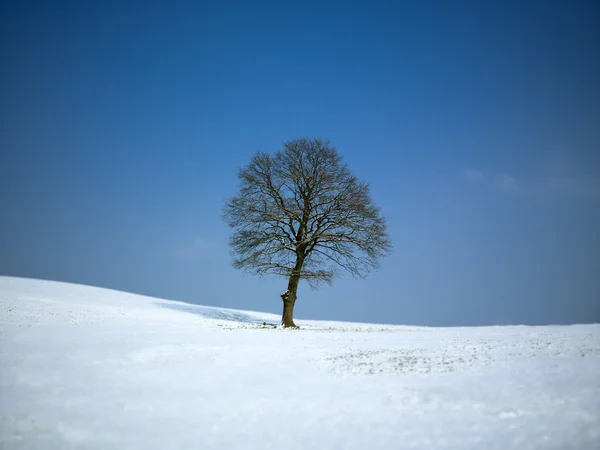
(123, 125)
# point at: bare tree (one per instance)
(302, 214)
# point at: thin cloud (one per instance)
(195, 248)
(474, 175)
(507, 183)
(565, 186)
(589, 187)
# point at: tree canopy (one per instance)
(301, 213)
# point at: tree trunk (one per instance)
(287, 318)
(289, 297)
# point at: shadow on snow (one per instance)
(219, 313)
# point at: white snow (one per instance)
(90, 368)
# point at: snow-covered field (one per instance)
(83, 367)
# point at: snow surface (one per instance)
(91, 368)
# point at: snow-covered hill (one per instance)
(91, 368)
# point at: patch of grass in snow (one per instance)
(455, 357)
(370, 362)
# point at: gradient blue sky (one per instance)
(123, 125)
